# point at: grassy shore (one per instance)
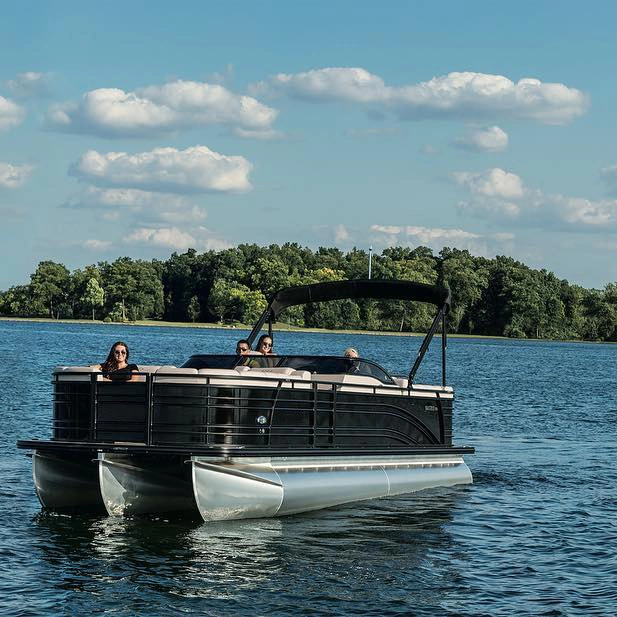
(280, 326)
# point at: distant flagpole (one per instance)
(370, 261)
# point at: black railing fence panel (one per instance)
(173, 409)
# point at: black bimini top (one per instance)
(377, 289)
(359, 288)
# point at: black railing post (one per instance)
(444, 344)
(93, 405)
(333, 413)
(149, 409)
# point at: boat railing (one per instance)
(256, 408)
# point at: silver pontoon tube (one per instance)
(273, 487)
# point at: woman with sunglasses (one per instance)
(116, 367)
(264, 347)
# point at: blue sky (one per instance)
(140, 128)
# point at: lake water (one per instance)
(536, 534)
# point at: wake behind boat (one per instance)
(253, 436)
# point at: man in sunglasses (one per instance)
(243, 347)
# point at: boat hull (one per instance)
(144, 485)
(228, 488)
(66, 480)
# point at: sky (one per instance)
(143, 128)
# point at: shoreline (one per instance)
(282, 327)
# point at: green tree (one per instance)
(133, 288)
(234, 301)
(50, 286)
(268, 274)
(94, 295)
(17, 302)
(467, 278)
(193, 309)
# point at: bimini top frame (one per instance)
(368, 289)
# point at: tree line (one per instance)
(499, 297)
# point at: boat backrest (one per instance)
(244, 376)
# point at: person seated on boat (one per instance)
(352, 355)
(243, 347)
(351, 352)
(116, 367)
(264, 348)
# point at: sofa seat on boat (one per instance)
(82, 373)
(348, 383)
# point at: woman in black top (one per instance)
(116, 366)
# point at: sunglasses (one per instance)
(266, 344)
(120, 352)
(242, 348)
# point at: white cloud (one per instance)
(327, 84)
(176, 239)
(425, 235)
(173, 106)
(188, 215)
(11, 114)
(579, 212)
(13, 176)
(194, 170)
(490, 139)
(491, 183)
(387, 229)
(437, 238)
(490, 207)
(341, 234)
(479, 94)
(134, 199)
(145, 206)
(30, 83)
(261, 134)
(492, 193)
(458, 94)
(96, 245)
(170, 237)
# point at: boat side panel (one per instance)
(71, 410)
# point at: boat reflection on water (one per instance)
(224, 560)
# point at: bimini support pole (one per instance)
(425, 344)
(265, 316)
